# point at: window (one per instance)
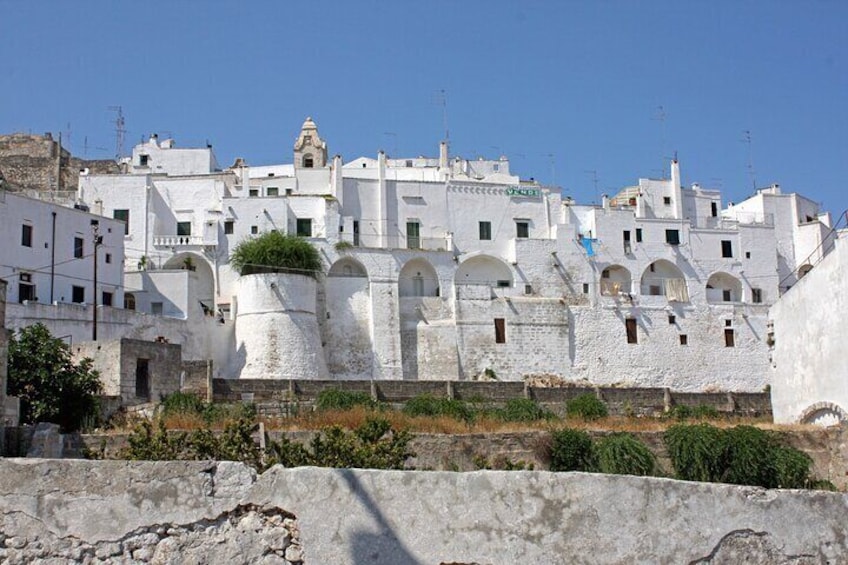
(254, 230)
(304, 227)
(106, 298)
(308, 162)
(78, 294)
(253, 192)
(413, 235)
(714, 209)
(485, 230)
(747, 255)
(728, 323)
(672, 237)
(627, 248)
(585, 288)
(605, 274)
(655, 290)
(757, 295)
(26, 235)
(522, 229)
(726, 248)
(638, 235)
(503, 284)
(156, 308)
(129, 301)
(143, 160)
(289, 191)
(123, 216)
(500, 330)
(672, 319)
(142, 378)
(26, 290)
(684, 339)
(667, 200)
(632, 334)
(726, 295)
(183, 228)
(272, 191)
(729, 338)
(409, 162)
(356, 232)
(228, 227)
(528, 289)
(108, 258)
(78, 247)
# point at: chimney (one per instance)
(443, 155)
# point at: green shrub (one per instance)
(697, 452)
(791, 468)
(586, 407)
(428, 405)
(700, 412)
(145, 444)
(522, 410)
(748, 452)
(623, 454)
(275, 252)
(336, 399)
(571, 450)
(182, 403)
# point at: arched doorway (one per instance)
(723, 287)
(418, 278)
(664, 278)
(616, 280)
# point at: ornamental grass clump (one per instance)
(275, 252)
(622, 454)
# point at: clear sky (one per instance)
(561, 88)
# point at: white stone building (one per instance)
(447, 268)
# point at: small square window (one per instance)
(253, 192)
(726, 248)
(714, 209)
(26, 235)
(528, 289)
(272, 191)
(143, 160)
(503, 284)
(667, 200)
(107, 299)
(638, 235)
(108, 258)
(228, 227)
(585, 288)
(655, 290)
(254, 230)
(522, 229)
(684, 339)
(747, 255)
(183, 228)
(672, 319)
(123, 216)
(79, 248)
(500, 330)
(485, 230)
(304, 227)
(288, 192)
(672, 237)
(728, 323)
(78, 294)
(726, 295)
(757, 295)
(156, 308)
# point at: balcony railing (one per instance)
(179, 241)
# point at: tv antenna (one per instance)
(747, 140)
(552, 163)
(120, 130)
(440, 98)
(594, 174)
(660, 117)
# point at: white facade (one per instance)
(446, 268)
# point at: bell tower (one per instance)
(310, 151)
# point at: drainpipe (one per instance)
(52, 256)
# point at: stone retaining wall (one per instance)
(223, 513)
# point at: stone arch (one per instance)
(205, 285)
(823, 414)
(418, 278)
(664, 278)
(615, 280)
(347, 267)
(129, 301)
(803, 270)
(723, 287)
(484, 269)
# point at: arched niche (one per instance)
(823, 414)
(616, 280)
(347, 267)
(418, 278)
(664, 278)
(723, 287)
(484, 269)
(129, 301)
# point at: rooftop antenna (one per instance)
(441, 98)
(747, 140)
(120, 130)
(594, 174)
(394, 142)
(552, 163)
(660, 117)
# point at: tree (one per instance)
(275, 252)
(50, 386)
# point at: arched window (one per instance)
(129, 301)
(308, 163)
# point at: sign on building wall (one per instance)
(527, 192)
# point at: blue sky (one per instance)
(562, 88)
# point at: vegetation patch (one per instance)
(586, 407)
(275, 252)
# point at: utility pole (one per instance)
(97, 240)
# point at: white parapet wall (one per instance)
(277, 335)
(810, 363)
(207, 512)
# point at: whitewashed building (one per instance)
(446, 268)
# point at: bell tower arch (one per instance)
(310, 151)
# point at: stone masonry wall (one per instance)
(223, 513)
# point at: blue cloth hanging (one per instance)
(587, 244)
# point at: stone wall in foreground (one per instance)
(223, 513)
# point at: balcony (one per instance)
(181, 241)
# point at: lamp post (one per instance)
(98, 240)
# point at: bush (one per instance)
(623, 454)
(748, 454)
(697, 452)
(275, 252)
(182, 403)
(571, 450)
(700, 412)
(586, 407)
(791, 468)
(335, 399)
(51, 387)
(428, 405)
(522, 410)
